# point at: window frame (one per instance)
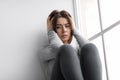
(77, 18)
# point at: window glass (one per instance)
(92, 18)
(98, 43)
(112, 46)
(89, 18)
(110, 12)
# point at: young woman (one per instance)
(69, 56)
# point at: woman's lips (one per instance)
(64, 36)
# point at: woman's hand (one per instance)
(49, 24)
(72, 23)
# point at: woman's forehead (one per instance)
(62, 19)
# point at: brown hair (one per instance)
(55, 14)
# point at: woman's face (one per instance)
(63, 29)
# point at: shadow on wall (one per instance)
(42, 42)
(35, 42)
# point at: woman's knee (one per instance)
(66, 47)
(66, 50)
(89, 49)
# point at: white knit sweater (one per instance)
(48, 53)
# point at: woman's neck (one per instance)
(65, 42)
(69, 41)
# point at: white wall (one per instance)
(22, 33)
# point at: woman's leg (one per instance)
(67, 65)
(90, 63)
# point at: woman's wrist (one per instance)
(51, 29)
(74, 31)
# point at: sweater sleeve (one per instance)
(81, 40)
(54, 40)
(50, 51)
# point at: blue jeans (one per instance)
(71, 66)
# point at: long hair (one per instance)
(55, 14)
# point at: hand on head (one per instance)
(56, 12)
(63, 18)
(50, 18)
(49, 24)
(72, 23)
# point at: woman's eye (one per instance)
(58, 26)
(67, 26)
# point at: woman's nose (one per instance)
(64, 29)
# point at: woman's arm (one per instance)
(49, 52)
(54, 40)
(81, 40)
